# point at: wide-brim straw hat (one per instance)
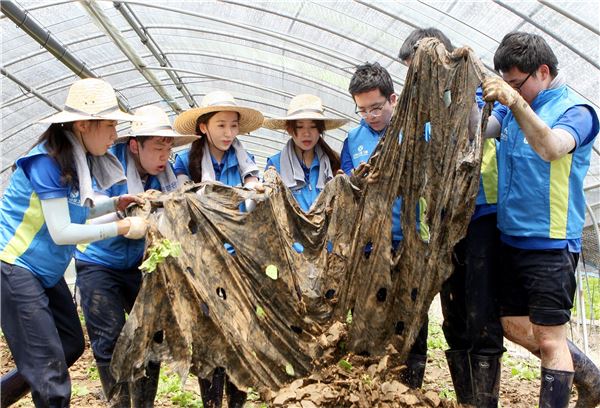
(155, 123)
(90, 99)
(305, 107)
(219, 101)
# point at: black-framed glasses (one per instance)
(518, 88)
(373, 112)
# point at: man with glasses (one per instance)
(545, 146)
(372, 89)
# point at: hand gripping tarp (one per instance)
(257, 292)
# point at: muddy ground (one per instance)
(357, 382)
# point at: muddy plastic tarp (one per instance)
(257, 292)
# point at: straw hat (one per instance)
(218, 101)
(156, 123)
(305, 107)
(90, 99)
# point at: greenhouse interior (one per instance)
(171, 54)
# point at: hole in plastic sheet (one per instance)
(368, 249)
(193, 227)
(158, 337)
(229, 248)
(298, 247)
(413, 294)
(272, 272)
(330, 293)
(329, 246)
(190, 271)
(221, 293)
(204, 308)
(381, 294)
(399, 328)
(296, 329)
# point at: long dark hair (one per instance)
(334, 158)
(197, 149)
(61, 150)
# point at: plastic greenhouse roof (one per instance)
(263, 52)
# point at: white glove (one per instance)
(137, 228)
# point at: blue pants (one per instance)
(470, 297)
(43, 333)
(106, 296)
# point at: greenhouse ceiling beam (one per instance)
(26, 23)
(549, 33)
(245, 26)
(332, 31)
(29, 89)
(121, 42)
(154, 48)
(570, 16)
(396, 17)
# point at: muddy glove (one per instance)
(496, 89)
(125, 200)
(137, 228)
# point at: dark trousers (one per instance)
(43, 333)
(470, 296)
(106, 296)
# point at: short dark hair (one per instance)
(525, 51)
(142, 139)
(371, 76)
(408, 46)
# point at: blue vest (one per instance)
(537, 198)
(487, 196)
(117, 252)
(362, 141)
(24, 237)
(230, 175)
(306, 195)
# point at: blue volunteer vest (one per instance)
(117, 252)
(24, 237)
(230, 175)
(306, 195)
(538, 198)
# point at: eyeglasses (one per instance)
(518, 88)
(374, 112)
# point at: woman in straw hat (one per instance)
(42, 218)
(107, 271)
(218, 156)
(306, 162)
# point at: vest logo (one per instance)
(504, 134)
(525, 140)
(362, 152)
(74, 197)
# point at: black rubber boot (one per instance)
(460, 371)
(555, 389)
(212, 391)
(143, 391)
(413, 375)
(586, 379)
(235, 397)
(13, 387)
(485, 377)
(117, 395)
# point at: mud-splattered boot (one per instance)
(460, 372)
(212, 391)
(13, 387)
(555, 389)
(485, 375)
(117, 395)
(586, 379)
(235, 397)
(413, 375)
(143, 391)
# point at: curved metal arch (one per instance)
(570, 16)
(549, 33)
(310, 24)
(245, 26)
